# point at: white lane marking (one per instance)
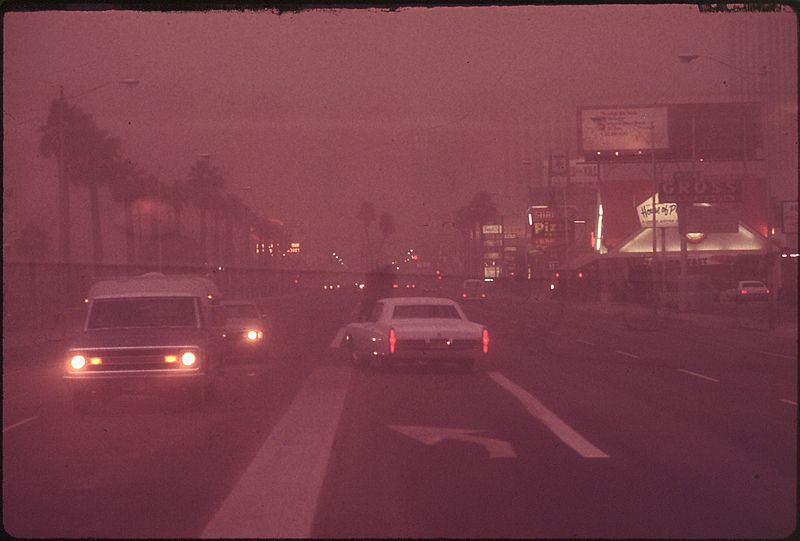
(277, 495)
(697, 375)
(558, 427)
(22, 422)
(584, 342)
(778, 355)
(788, 402)
(431, 435)
(631, 355)
(337, 340)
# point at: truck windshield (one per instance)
(143, 312)
(241, 311)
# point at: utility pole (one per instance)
(655, 238)
(63, 185)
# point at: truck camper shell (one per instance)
(155, 284)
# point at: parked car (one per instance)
(474, 289)
(145, 333)
(245, 331)
(746, 290)
(428, 329)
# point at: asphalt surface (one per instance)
(580, 423)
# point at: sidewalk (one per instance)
(753, 318)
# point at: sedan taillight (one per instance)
(392, 340)
(486, 340)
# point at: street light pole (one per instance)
(655, 238)
(63, 188)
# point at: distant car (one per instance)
(747, 290)
(428, 329)
(145, 333)
(474, 289)
(246, 333)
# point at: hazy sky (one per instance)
(309, 113)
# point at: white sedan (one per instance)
(416, 329)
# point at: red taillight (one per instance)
(483, 295)
(768, 292)
(486, 340)
(464, 295)
(395, 286)
(392, 340)
(744, 292)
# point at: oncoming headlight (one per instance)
(77, 362)
(188, 358)
(253, 335)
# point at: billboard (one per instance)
(623, 128)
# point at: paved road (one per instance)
(580, 424)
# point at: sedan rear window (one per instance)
(753, 284)
(143, 312)
(425, 311)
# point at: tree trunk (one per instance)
(177, 215)
(97, 233)
(216, 218)
(229, 245)
(203, 237)
(130, 239)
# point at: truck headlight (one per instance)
(77, 362)
(188, 358)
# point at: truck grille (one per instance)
(133, 359)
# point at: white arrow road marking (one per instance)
(558, 427)
(431, 435)
(337, 340)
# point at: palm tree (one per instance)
(176, 196)
(204, 184)
(366, 214)
(32, 244)
(130, 184)
(387, 226)
(469, 219)
(88, 158)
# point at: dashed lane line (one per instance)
(695, 374)
(788, 401)
(278, 493)
(778, 355)
(337, 340)
(631, 355)
(539, 411)
(22, 422)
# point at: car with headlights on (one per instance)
(245, 331)
(416, 329)
(147, 333)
